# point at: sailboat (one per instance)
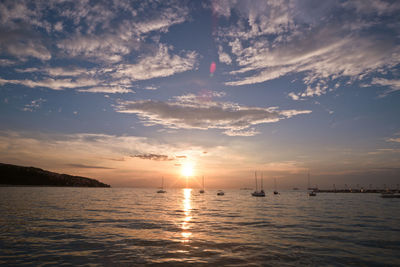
(312, 193)
(161, 190)
(309, 186)
(202, 189)
(257, 193)
(275, 191)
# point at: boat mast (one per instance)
(262, 185)
(255, 176)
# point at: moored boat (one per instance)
(161, 190)
(257, 193)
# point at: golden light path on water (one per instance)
(187, 208)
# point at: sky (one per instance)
(128, 92)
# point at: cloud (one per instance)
(104, 31)
(273, 39)
(382, 151)
(187, 112)
(106, 47)
(18, 36)
(54, 84)
(320, 56)
(257, 17)
(394, 139)
(394, 85)
(83, 80)
(83, 166)
(7, 62)
(106, 89)
(57, 71)
(115, 42)
(373, 6)
(151, 87)
(161, 64)
(224, 57)
(21, 44)
(293, 96)
(34, 105)
(153, 157)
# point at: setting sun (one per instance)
(187, 169)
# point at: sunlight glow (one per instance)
(187, 169)
(187, 208)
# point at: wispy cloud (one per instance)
(54, 84)
(23, 45)
(155, 157)
(320, 56)
(161, 64)
(83, 166)
(394, 85)
(57, 71)
(269, 40)
(34, 105)
(395, 139)
(187, 112)
(106, 89)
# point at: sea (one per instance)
(56, 226)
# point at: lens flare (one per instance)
(213, 67)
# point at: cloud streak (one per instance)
(186, 112)
(162, 64)
(83, 166)
(394, 85)
(155, 157)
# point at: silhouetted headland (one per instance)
(19, 175)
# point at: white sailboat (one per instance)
(161, 190)
(257, 193)
(202, 189)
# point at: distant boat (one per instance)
(257, 193)
(275, 191)
(161, 190)
(202, 190)
(220, 193)
(295, 188)
(312, 194)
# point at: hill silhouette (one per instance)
(19, 175)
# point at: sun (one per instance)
(187, 169)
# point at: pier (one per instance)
(379, 191)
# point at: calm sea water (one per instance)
(125, 227)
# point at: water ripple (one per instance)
(124, 227)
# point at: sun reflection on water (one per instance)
(187, 208)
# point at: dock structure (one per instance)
(361, 190)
